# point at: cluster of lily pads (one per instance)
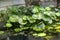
(34, 20)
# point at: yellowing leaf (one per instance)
(57, 30)
(57, 27)
(42, 34)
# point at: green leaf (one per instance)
(35, 34)
(24, 10)
(1, 32)
(8, 25)
(22, 22)
(17, 30)
(53, 15)
(36, 28)
(37, 16)
(50, 21)
(41, 25)
(13, 18)
(51, 29)
(35, 10)
(50, 14)
(58, 13)
(42, 9)
(23, 28)
(40, 16)
(48, 8)
(47, 19)
(34, 16)
(24, 17)
(31, 20)
(12, 10)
